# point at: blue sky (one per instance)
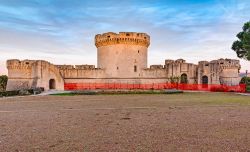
(62, 31)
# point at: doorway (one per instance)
(52, 84)
(184, 79)
(204, 81)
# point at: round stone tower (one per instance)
(122, 55)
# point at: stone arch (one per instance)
(52, 84)
(184, 78)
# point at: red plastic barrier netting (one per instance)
(156, 86)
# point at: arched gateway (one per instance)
(184, 79)
(52, 84)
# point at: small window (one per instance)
(127, 34)
(138, 51)
(27, 63)
(135, 68)
(206, 64)
(108, 36)
(117, 68)
(145, 38)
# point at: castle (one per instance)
(121, 58)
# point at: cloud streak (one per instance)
(63, 31)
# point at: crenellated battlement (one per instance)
(17, 64)
(227, 63)
(223, 63)
(131, 38)
(174, 62)
(77, 67)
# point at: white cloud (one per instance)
(64, 33)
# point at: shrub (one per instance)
(3, 82)
(248, 88)
(9, 93)
(21, 92)
(245, 80)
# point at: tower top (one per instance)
(131, 38)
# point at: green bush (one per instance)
(9, 93)
(3, 82)
(245, 80)
(248, 88)
(21, 92)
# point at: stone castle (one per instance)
(121, 58)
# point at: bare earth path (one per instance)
(183, 122)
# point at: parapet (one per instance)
(84, 67)
(169, 61)
(65, 67)
(203, 63)
(174, 61)
(180, 61)
(158, 66)
(17, 64)
(77, 67)
(131, 38)
(223, 63)
(226, 62)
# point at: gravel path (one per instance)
(188, 122)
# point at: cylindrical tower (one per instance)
(122, 55)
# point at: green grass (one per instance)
(186, 98)
(64, 94)
(216, 98)
(115, 92)
(248, 88)
(183, 99)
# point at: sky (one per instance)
(62, 31)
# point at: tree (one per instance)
(174, 79)
(3, 82)
(242, 46)
(245, 80)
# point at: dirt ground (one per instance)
(178, 122)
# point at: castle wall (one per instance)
(204, 71)
(82, 73)
(47, 72)
(230, 71)
(179, 67)
(117, 80)
(31, 74)
(122, 55)
(222, 71)
(20, 74)
(154, 73)
(121, 59)
(230, 76)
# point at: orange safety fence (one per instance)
(156, 86)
